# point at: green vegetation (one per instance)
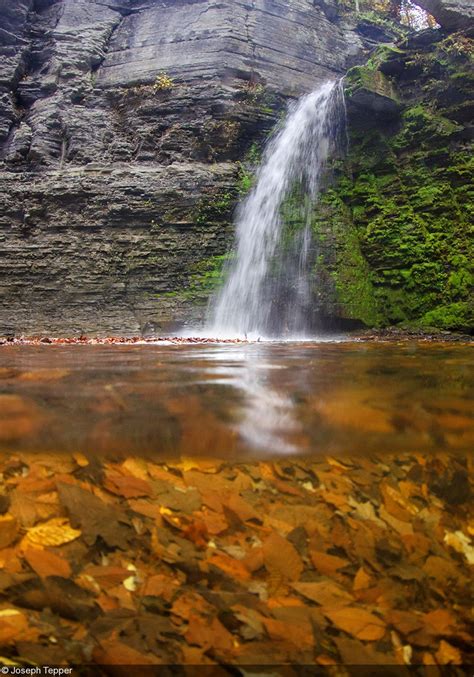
(216, 207)
(394, 231)
(205, 278)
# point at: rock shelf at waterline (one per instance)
(383, 335)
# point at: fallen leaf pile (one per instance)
(311, 562)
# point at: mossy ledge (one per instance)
(393, 230)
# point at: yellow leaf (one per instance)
(57, 531)
(81, 460)
(201, 464)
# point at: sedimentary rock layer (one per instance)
(116, 186)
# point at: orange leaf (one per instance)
(357, 622)
(8, 530)
(440, 622)
(448, 654)
(361, 581)
(55, 532)
(46, 563)
(230, 566)
(13, 624)
(300, 634)
(327, 564)
(205, 633)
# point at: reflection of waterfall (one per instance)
(265, 418)
(269, 420)
(267, 291)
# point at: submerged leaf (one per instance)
(56, 531)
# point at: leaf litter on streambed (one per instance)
(320, 562)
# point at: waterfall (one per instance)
(267, 291)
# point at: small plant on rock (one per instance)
(163, 83)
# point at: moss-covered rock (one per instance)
(400, 212)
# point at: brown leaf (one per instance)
(127, 486)
(107, 576)
(281, 557)
(215, 522)
(404, 621)
(441, 569)
(113, 652)
(208, 633)
(46, 563)
(197, 533)
(357, 622)
(353, 652)
(160, 586)
(95, 517)
(325, 593)
(243, 510)
(61, 595)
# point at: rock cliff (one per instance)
(121, 124)
(127, 131)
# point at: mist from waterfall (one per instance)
(267, 290)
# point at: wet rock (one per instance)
(370, 91)
(136, 181)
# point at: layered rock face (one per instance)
(121, 128)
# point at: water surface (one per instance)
(237, 401)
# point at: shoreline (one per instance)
(366, 336)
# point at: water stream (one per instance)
(267, 292)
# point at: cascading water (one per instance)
(267, 290)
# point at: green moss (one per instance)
(369, 77)
(451, 316)
(397, 242)
(204, 279)
(215, 208)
